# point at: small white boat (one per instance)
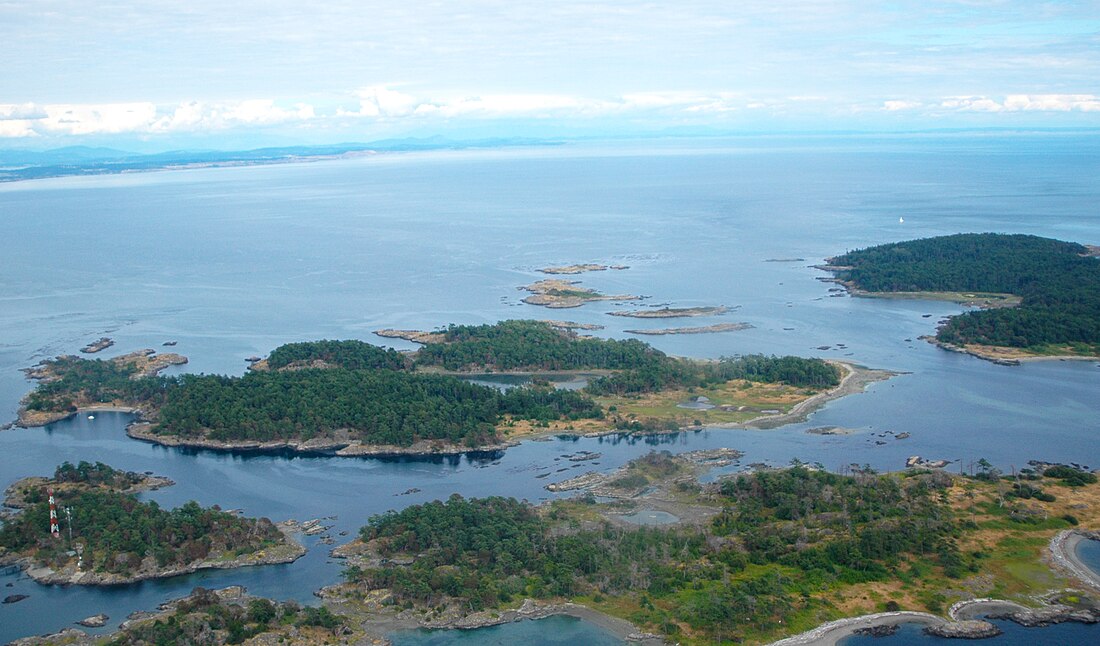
(91, 417)
(901, 220)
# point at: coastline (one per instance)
(855, 380)
(139, 430)
(829, 634)
(1005, 356)
(388, 621)
(1062, 554)
(288, 551)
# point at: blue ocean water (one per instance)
(233, 262)
(1068, 634)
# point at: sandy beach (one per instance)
(834, 631)
(1063, 555)
(855, 380)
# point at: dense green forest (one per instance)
(82, 380)
(322, 388)
(203, 618)
(118, 531)
(375, 406)
(783, 538)
(1060, 288)
(680, 373)
(94, 475)
(350, 354)
(531, 345)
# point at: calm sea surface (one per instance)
(233, 262)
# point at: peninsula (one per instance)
(1039, 298)
(750, 558)
(111, 537)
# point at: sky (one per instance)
(229, 74)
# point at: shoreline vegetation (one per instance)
(1037, 298)
(381, 402)
(112, 538)
(781, 554)
(755, 559)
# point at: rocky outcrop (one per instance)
(95, 621)
(1052, 615)
(673, 312)
(706, 329)
(967, 629)
(95, 346)
(317, 445)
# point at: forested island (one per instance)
(354, 398)
(1041, 296)
(778, 551)
(111, 537)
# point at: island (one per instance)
(751, 558)
(580, 268)
(108, 537)
(351, 398)
(704, 329)
(557, 293)
(226, 616)
(95, 346)
(1038, 297)
(672, 312)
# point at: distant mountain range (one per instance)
(16, 165)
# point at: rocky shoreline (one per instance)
(557, 293)
(672, 312)
(1062, 554)
(316, 446)
(964, 620)
(856, 379)
(288, 551)
(706, 329)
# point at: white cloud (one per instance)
(28, 120)
(386, 106)
(380, 101)
(1025, 103)
(897, 105)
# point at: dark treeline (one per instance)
(375, 406)
(350, 354)
(197, 617)
(678, 373)
(531, 345)
(118, 532)
(95, 475)
(720, 580)
(803, 517)
(1060, 289)
(318, 389)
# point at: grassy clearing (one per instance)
(735, 402)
